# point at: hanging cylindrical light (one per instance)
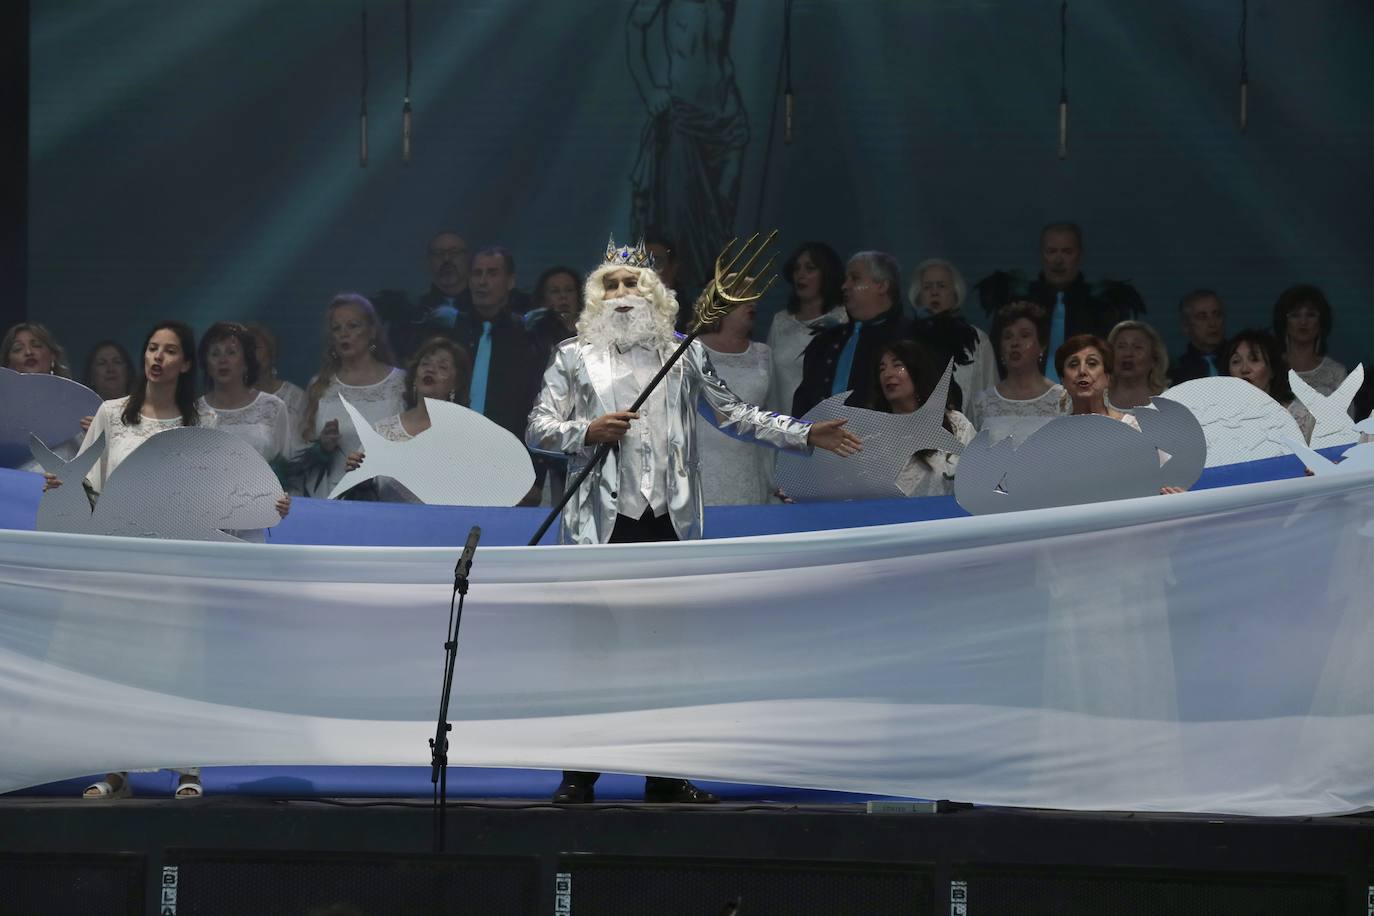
(1244, 67)
(362, 110)
(1064, 80)
(405, 106)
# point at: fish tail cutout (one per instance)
(1342, 396)
(373, 444)
(66, 471)
(1314, 461)
(68, 507)
(1346, 391)
(1330, 413)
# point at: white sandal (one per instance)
(105, 789)
(188, 786)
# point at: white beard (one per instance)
(640, 326)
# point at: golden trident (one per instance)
(731, 287)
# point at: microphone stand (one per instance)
(438, 745)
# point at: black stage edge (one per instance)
(349, 857)
(14, 162)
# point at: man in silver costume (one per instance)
(649, 487)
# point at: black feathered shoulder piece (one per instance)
(947, 335)
(998, 288)
(1123, 298)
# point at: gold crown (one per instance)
(625, 256)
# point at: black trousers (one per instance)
(643, 530)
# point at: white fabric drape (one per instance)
(1206, 652)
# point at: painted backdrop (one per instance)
(201, 160)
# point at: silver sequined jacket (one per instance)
(577, 390)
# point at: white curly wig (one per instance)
(662, 301)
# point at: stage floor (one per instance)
(232, 854)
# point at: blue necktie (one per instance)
(1211, 364)
(1056, 336)
(444, 313)
(480, 366)
(846, 363)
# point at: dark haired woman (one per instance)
(906, 375)
(1255, 356)
(228, 358)
(164, 398)
(1024, 400)
(109, 371)
(292, 395)
(1303, 321)
(356, 364)
(815, 273)
(440, 369)
(558, 301)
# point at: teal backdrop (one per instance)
(200, 160)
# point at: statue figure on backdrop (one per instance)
(687, 177)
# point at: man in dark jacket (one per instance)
(842, 358)
(1063, 292)
(506, 368)
(1204, 322)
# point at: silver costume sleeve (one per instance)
(552, 425)
(740, 419)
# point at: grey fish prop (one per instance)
(1241, 422)
(1083, 459)
(189, 483)
(463, 459)
(889, 442)
(47, 406)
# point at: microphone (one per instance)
(464, 566)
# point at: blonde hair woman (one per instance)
(1142, 364)
(357, 365)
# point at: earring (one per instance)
(333, 354)
(453, 396)
(245, 378)
(372, 347)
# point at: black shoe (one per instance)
(572, 791)
(676, 791)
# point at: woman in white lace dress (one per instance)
(265, 349)
(165, 398)
(1256, 356)
(907, 374)
(440, 369)
(228, 358)
(356, 365)
(1024, 400)
(736, 473)
(815, 272)
(1303, 321)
